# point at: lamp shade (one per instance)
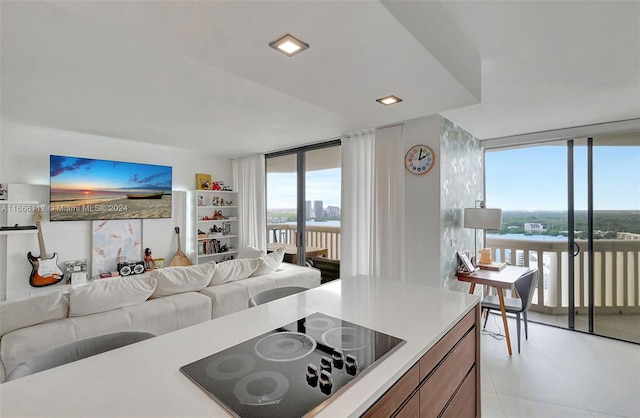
(483, 218)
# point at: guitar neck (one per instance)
(43, 251)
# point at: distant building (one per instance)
(307, 210)
(628, 236)
(318, 212)
(533, 228)
(333, 211)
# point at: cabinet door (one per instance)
(463, 404)
(411, 409)
(445, 380)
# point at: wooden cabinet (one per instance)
(216, 225)
(445, 382)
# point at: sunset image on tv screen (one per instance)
(84, 189)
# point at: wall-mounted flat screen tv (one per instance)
(85, 189)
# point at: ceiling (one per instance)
(200, 74)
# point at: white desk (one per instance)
(143, 380)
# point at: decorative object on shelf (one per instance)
(115, 241)
(481, 217)
(217, 185)
(180, 259)
(227, 189)
(420, 159)
(129, 268)
(4, 194)
(75, 272)
(203, 181)
(148, 259)
(158, 263)
(44, 270)
(200, 200)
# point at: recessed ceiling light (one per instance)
(389, 100)
(289, 45)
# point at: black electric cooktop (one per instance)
(293, 370)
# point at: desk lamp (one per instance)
(481, 217)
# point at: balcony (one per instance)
(616, 280)
(317, 236)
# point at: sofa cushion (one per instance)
(251, 252)
(226, 298)
(33, 310)
(269, 263)
(172, 280)
(108, 294)
(169, 313)
(238, 269)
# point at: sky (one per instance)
(320, 185)
(536, 178)
(533, 178)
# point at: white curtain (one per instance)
(249, 178)
(357, 200)
(373, 219)
(389, 236)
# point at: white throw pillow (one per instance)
(251, 252)
(270, 262)
(33, 310)
(228, 271)
(172, 280)
(108, 294)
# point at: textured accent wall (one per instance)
(461, 168)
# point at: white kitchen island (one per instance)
(143, 380)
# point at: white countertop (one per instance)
(143, 380)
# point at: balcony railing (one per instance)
(316, 236)
(616, 273)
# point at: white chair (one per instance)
(75, 351)
(273, 294)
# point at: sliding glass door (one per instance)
(572, 208)
(303, 202)
(607, 233)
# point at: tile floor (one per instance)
(559, 373)
(623, 327)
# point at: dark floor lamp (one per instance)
(481, 217)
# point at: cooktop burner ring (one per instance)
(346, 338)
(285, 346)
(230, 366)
(265, 387)
(320, 324)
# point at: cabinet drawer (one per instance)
(395, 396)
(431, 359)
(411, 409)
(463, 404)
(443, 382)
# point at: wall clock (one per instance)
(419, 159)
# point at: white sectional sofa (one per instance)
(163, 301)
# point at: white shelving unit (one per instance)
(215, 226)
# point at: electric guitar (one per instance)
(44, 271)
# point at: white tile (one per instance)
(523, 408)
(560, 369)
(491, 407)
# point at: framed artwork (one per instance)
(114, 240)
(203, 181)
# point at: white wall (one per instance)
(24, 159)
(422, 206)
